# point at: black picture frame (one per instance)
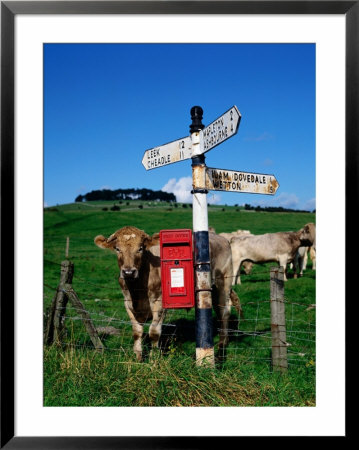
(9, 9)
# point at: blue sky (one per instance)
(105, 104)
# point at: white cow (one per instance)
(313, 255)
(300, 261)
(280, 247)
(247, 265)
(301, 258)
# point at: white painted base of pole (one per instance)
(205, 357)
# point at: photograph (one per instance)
(179, 225)
(166, 170)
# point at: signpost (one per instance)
(221, 129)
(201, 140)
(168, 153)
(214, 134)
(236, 181)
(202, 265)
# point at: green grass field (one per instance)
(77, 375)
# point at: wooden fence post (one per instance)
(278, 327)
(67, 247)
(55, 324)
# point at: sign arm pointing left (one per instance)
(168, 153)
(223, 128)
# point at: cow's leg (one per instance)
(298, 266)
(283, 261)
(305, 261)
(312, 253)
(223, 312)
(296, 262)
(237, 262)
(302, 264)
(235, 266)
(158, 314)
(137, 332)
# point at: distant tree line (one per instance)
(273, 209)
(126, 194)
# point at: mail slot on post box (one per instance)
(177, 269)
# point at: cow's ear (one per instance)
(155, 238)
(150, 241)
(102, 242)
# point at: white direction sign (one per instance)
(236, 181)
(168, 153)
(221, 129)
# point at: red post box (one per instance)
(177, 278)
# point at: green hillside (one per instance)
(76, 375)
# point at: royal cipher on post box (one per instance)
(177, 268)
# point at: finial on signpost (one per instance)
(196, 116)
(196, 133)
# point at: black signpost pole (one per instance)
(204, 325)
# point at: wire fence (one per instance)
(250, 338)
(261, 272)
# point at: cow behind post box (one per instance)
(138, 256)
(177, 269)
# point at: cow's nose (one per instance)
(129, 273)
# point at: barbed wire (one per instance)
(247, 341)
(168, 313)
(231, 332)
(118, 288)
(242, 303)
(257, 272)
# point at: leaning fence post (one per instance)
(279, 344)
(90, 328)
(55, 323)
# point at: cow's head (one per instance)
(307, 234)
(131, 245)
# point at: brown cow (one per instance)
(139, 262)
(280, 247)
(140, 281)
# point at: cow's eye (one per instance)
(140, 249)
(118, 250)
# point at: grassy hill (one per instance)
(77, 375)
